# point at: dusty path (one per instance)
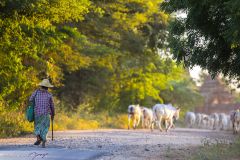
(111, 144)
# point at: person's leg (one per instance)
(37, 131)
(38, 140)
(44, 130)
(43, 144)
(41, 128)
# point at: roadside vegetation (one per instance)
(104, 55)
(90, 121)
(214, 150)
(218, 150)
(101, 56)
(17, 125)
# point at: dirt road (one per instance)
(116, 144)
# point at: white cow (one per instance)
(229, 123)
(223, 121)
(198, 119)
(211, 122)
(215, 116)
(166, 113)
(236, 121)
(147, 118)
(231, 114)
(205, 120)
(134, 114)
(190, 119)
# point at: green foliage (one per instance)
(100, 55)
(179, 93)
(33, 46)
(13, 124)
(208, 37)
(126, 65)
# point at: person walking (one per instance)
(43, 109)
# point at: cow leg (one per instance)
(146, 124)
(166, 124)
(134, 123)
(170, 125)
(237, 127)
(222, 127)
(173, 126)
(138, 120)
(149, 124)
(233, 125)
(152, 126)
(143, 122)
(129, 119)
(160, 124)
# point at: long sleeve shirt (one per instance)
(43, 102)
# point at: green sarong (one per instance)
(41, 126)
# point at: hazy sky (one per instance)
(195, 72)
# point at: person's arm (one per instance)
(52, 108)
(32, 96)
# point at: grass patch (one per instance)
(79, 121)
(218, 150)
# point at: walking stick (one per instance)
(52, 129)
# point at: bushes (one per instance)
(13, 124)
(64, 122)
(79, 121)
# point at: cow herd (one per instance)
(166, 113)
(221, 121)
(150, 117)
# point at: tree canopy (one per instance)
(127, 66)
(101, 55)
(209, 36)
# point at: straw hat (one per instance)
(45, 83)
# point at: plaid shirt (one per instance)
(43, 102)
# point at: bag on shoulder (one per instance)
(30, 113)
(30, 110)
